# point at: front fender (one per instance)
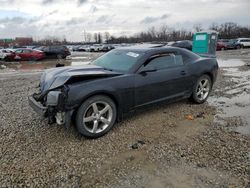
(120, 89)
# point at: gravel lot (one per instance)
(157, 147)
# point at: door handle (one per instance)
(183, 72)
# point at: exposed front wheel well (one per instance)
(210, 76)
(104, 94)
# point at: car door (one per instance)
(166, 79)
(18, 54)
(247, 43)
(47, 51)
(26, 54)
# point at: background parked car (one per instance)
(60, 52)
(7, 54)
(187, 44)
(106, 47)
(28, 54)
(83, 48)
(95, 48)
(231, 44)
(221, 46)
(242, 43)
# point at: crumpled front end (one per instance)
(52, 105)
(51, 100)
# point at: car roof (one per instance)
(150, 48)
(23, 49)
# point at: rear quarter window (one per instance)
(167, 61)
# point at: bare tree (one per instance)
(88, 37)
(99, 38)
(226, 30)
(198, 27)
(107, 37)
(214, 26)
(163, 33)
(96, 37)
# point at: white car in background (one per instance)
(95, 48)
(5, 52)
(243, 43)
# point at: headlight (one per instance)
(52, 98)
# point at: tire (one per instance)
(222, 49)
(238, 47)
(201, 90)
(7, 59)
(96, 116)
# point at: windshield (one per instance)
(232, 40)
(118, 60)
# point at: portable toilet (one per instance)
(205, 42)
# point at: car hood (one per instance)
(56, 77)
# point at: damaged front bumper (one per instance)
(54, 108)
(38, 107)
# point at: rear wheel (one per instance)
(7, 58)
(96, 116)
(202, 89)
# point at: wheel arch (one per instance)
(210, 76)
(112, 96)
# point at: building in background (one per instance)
(6, 42)
(23, 41)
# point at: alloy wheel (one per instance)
(97, 117)
(203, 89)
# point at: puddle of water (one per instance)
(230, 62)
(40, 65)
(238, 102)
(76, 59)
(234, 107)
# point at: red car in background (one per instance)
(28, 54)
(221, 46)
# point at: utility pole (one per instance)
(85, 35)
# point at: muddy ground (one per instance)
(169, 150)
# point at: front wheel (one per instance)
(202, 89)
(96, 116)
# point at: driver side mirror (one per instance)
(148, 69)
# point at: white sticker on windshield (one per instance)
(132, 54)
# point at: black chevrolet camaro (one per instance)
(97, 95)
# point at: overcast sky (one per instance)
(69, 18)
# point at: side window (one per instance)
(55, 48)
(26, 51)
(18, 51)
(178, 60)
(46, 49)
(167, 61)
